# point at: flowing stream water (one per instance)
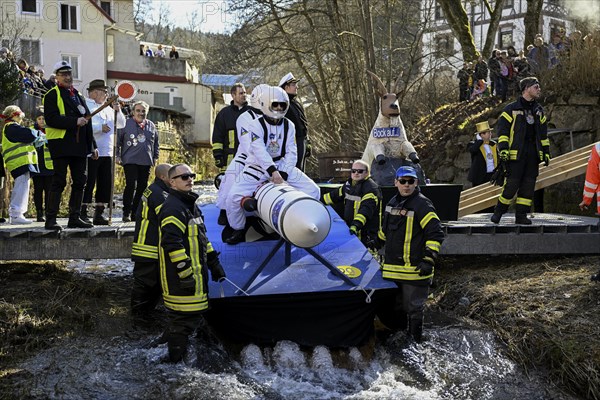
(457, 361)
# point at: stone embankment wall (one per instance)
(442, 142)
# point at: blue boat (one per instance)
(328, 295)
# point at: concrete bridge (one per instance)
(470, 235)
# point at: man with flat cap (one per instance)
(70, 141)
(296, 114)
(522, 144)
(99, 172)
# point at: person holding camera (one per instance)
(362, 203)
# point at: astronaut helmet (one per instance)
(255, 96)
(274, 103)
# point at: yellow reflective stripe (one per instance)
(503, 139)
(209, 248)
(352, 197)
(145, 254)
(360, 218)
(232, 138)
(545, 142)
(408, 237)
(543, 119)
(506, 116)
(381, 235)
(185, 273)
(433, 245)
(157, 209)
(523, 201)
(177, 255)
(327, 199)
(217, 146)
(194, 245)
(197, 302)
(174, 221)
(503, 200)
(430, 215)
(405, 272)
(369, 196)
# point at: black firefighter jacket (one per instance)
(145, 239)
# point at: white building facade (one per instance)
(442, 50)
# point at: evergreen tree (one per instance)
(10, 86)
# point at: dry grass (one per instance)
(546, 311)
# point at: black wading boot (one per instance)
(98, 218)
(499, 210)
(521, 215)
(52, 212)
(83, 214)
(75, 210)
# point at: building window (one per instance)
(68, 18)
(439, 13)
(444, 45)
(74, 61)
(30, 51)
(110, 48)
(505, 38)
(509, 3)
(29, 6)
(105, 5)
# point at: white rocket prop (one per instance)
(297, 217)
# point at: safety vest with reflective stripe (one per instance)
(55, 133)
(48, 163)
(17, 154)
(182, 253)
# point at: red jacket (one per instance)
(592, 178)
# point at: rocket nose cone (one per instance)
(308, 224)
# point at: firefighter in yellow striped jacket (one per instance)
(413, 235)
(362, 203)
(146, 291)
(185, 257)
(522, 144)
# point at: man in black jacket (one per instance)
(483, 155)
(144, 251)
(70, 141)
(297, 115)
(362, 203)
(185, 255)
(224, 136)
(522, 143)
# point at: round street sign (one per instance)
(126, 90)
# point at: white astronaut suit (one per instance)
(235, 168)
(272, 148)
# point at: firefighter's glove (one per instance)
(546, 159)
(220, 160)
(373, 244)
(186, 275)
(425, 268)
(504, 155)
(353, 230)
(217, 272)
(380, 159)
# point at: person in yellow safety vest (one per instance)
(42, 181)
(185, 256)
(18, 150)
(146, 291)
(413, 235)
(71, 141)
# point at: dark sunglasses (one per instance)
(185, 177)
(279, 104)
(357, 171)
(405, 181)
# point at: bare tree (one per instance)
(532, 20)
(457, 18)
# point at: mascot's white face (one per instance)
(389, 105)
